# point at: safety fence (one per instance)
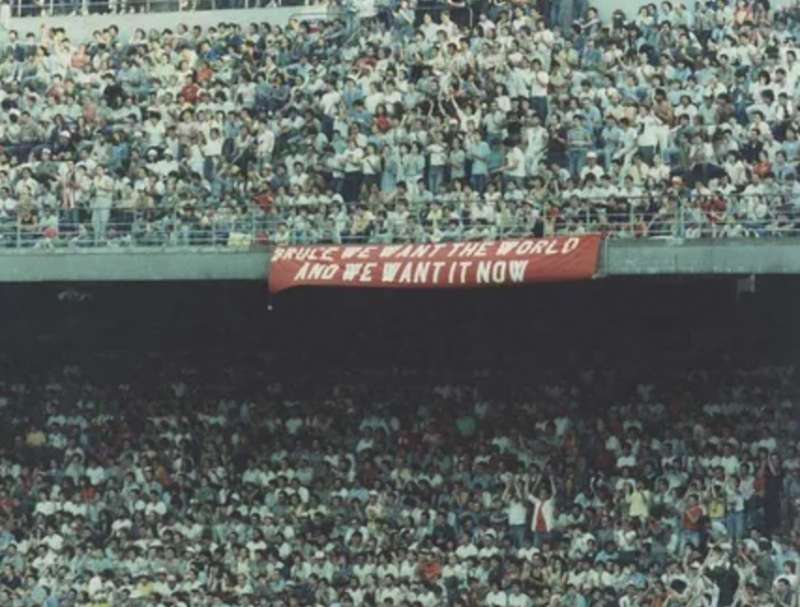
(48, 8)
(663, 216)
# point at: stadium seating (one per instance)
(434, 123)
(384, 488)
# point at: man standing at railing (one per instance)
(5, 15)
(579, 140)
(676, 196)
(101, 203)
(514, 168)
(353, 165)
(478, 152)
(351, 17)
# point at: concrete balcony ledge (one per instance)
(618, 258)
(703, 256)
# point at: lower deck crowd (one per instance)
(569, 489)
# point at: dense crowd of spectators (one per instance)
(399, 487)
(407, 121)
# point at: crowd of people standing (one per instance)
(408, 122)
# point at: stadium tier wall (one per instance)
(617, 258)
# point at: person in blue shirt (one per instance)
(352, 17)
(478, 152)
(591, 56)
(352, 93)
(612, 141)
(391, 169)
(579, 141)
(593, 119)
(51, 601)
(120, 152)
(608, 553)
(781, 168)
(574, 598)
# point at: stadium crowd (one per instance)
(365, 488)
(407, 121)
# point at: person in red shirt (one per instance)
(542, 497)
(190, 92)
(88, 492)
(692, 522)
(204, 73)
(430, 569)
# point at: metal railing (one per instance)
(653, 216)
(134, 229)
(49, 8)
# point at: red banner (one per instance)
(436, 266)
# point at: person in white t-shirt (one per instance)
(353, 167)
(102, 202)
(517, 598)
(543, 500)
(592, 167)
(516, 511)
(437, 151)
(514, 168)
(538, 88)
(497, 597)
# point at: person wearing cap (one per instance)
(151, 156)
(592, 167)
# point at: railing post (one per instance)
(606, 246)
(631, 218)
(252, 230)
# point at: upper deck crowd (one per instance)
(406, 122)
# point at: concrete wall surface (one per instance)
(618, 258)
